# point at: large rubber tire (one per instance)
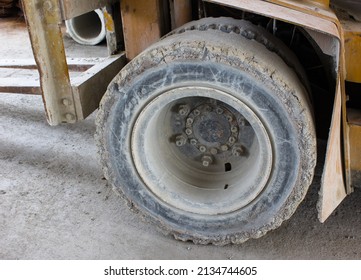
(210, 136)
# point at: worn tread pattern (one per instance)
(249, 31)
(259, 61)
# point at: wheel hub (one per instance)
(201, 150)
(212, 128)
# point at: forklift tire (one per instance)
(210, 136)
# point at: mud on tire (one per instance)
(210, 136)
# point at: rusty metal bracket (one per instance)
(44, 19)
(67, 101)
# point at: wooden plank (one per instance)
(90, 86)
(71, 8)
(142, 24)
(113, 28)
(301, 18)
(74, 64)
(333, 189)
(181, 12)
(20, 85)
(18, 63)
(44, 25)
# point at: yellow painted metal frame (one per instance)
(352, 33)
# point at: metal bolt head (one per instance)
(190, 121)
(232, 140)
(214, 151)
(189, 131)
(202, 149)
(229, 118)
(194, 142)
(243, 122)
(238, 151)
(66, 102)
(196, 112)
(48, 5)
(207, 161)
(234, 129)
(207, 108)
(219, 111)
(183, 110)
(69, 117)
(224, 148)
(180, 140)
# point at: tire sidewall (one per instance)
(286, 163)
(142, 81)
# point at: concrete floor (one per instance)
(55, 203)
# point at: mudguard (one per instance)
(324, 22)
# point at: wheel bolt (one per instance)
(238, 151)
(189, 131)
(234, 129)
(207, 161)
(196, 112)
(219, 111)
(224, 148)
(183, 110)
(243, 122)
(229, 118)
(214, 151)
(202, 149)
(232, 140)
(194, 142)
(207, 108)
(180, 140)
(189, 121)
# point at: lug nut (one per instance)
(238, 151)
(234, 129)
(189, 121)
(180, 140)
(229, 118)
(207, 108)
(207, 161)
(243, 122)
(183, 110)
(214, 151)
(219, 111)
(189, 131)
(232, 140)
(196, 112)
(224, 148)
(202, 149)
(194, 142)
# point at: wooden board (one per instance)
(142, 24)
(333, 189)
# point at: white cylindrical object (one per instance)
(87, 29)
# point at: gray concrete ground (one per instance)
(55, 203)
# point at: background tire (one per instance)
(210, 136)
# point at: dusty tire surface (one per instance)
(241, 70)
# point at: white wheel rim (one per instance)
(197, 184)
